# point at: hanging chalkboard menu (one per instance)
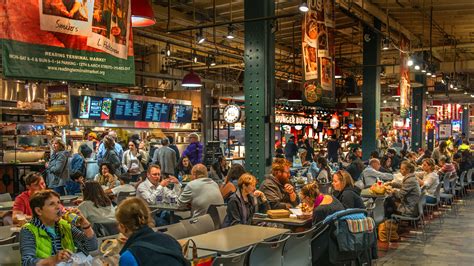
(128, 110)
(156, 112)
(182, 113)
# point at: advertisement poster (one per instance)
(310, 36)
(53, 39)
(404, 80)
(326, 74)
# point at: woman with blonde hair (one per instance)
(144, 246)
(345, 191)
(321, 204)
(245, 202)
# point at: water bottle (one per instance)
(159, 198)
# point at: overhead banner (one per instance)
(318, 52)
(74, 40)
(405, 91)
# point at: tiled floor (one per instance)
(452, 244)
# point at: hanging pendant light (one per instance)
(142, 14)
(191, 80)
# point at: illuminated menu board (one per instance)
(128, 110)
(96, 108)
(157, 112)
(182, 113)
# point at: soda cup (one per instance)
(159, 198)
(70, 217)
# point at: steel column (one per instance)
(371, 89)
(418, 113)
(465, 120)
(259, 84)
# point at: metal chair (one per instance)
(10, 254)
(105, 229)
(10, 240)
(432, 206)
(199, 225)
(297, 249)
(469, 177)
(177, 230)
(377, 211)
(123, 195)
(319, 244)
(268, 252)
(411, 219)
(217, 213)
(234, 259)
(448, 196)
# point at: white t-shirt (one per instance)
(123, 188)
(97, 215)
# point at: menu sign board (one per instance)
(96, 108)
(156, 112)
(182, 113)
(127, 110)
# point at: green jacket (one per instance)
(44, 244)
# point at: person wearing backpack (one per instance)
(116, 147)
(110, 156)
(57, 172)
(144, 246)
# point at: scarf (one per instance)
(56, 240)
(318, 201)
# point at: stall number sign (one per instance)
(231, 113)
(293, 119)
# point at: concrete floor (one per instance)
(452, 244)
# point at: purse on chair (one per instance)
(195, 261)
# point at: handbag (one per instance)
(384, 229)
(195, 261)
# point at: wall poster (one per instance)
(74, 40)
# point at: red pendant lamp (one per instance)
(142, 14)
(191, 80)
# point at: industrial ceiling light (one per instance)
(191, 80)
(168, 50)
(290, 80)
(465, 92)
(142, 14)
(230, 32)
(303, 7)
(433, 75)
(338, 73)
(211, 60)
(410, 62)
(428, 72)
(200, 39)
(385, 43)
(417, 67)
(451, 86)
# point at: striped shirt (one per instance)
(28, 242)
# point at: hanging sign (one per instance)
(84, 41)
(334, 122)
(232, 113)
(315, 121)
(293, 119)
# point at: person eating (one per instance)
(21, 207)
(277, 188)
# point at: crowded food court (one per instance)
(236, 132)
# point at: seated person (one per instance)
(96, 206)
(201, 192)
(21, 208)
(245, 202)
(277, 188)
(345, 191)
(428, 179)
(219, 170)
(325, 171)
(230, 183)
(405, 194)
(48, 239)
(106, 176)
(371, 173)
(321, 204)
(446, 166)
(155, 187)
(184, 167)
(124, 186)
(76, 183)
(133, 217)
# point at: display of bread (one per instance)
(378, 189)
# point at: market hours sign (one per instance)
(232, 113)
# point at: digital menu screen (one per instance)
(157, 112)
(96, 108)
(182, 113)
(127, 110)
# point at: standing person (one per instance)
(48, 239)
(440, 151)
(309, 150)
(277, 188)
(166, 158)
(245, 202)
(111, 157)
(133, 160)
(333, 148)
(101, 153)
(78, 160)
(357, 165)
(219, 170)
(96, 207)
(194, 149)
(56, 168)
(174, 147)
(324, 170)
(345, 191)
(291, 149)
(144, 246)
(21, 207)
(201, 192)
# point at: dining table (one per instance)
(234, 238)
(368, 193)
(171, 207)
(6, 205)
(289, 222)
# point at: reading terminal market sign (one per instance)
(293, 119)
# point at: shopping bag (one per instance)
(384, 229)
(193, 257)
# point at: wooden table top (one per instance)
(290, 221)
(234, 238)
(6, 205)
(169, 207)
